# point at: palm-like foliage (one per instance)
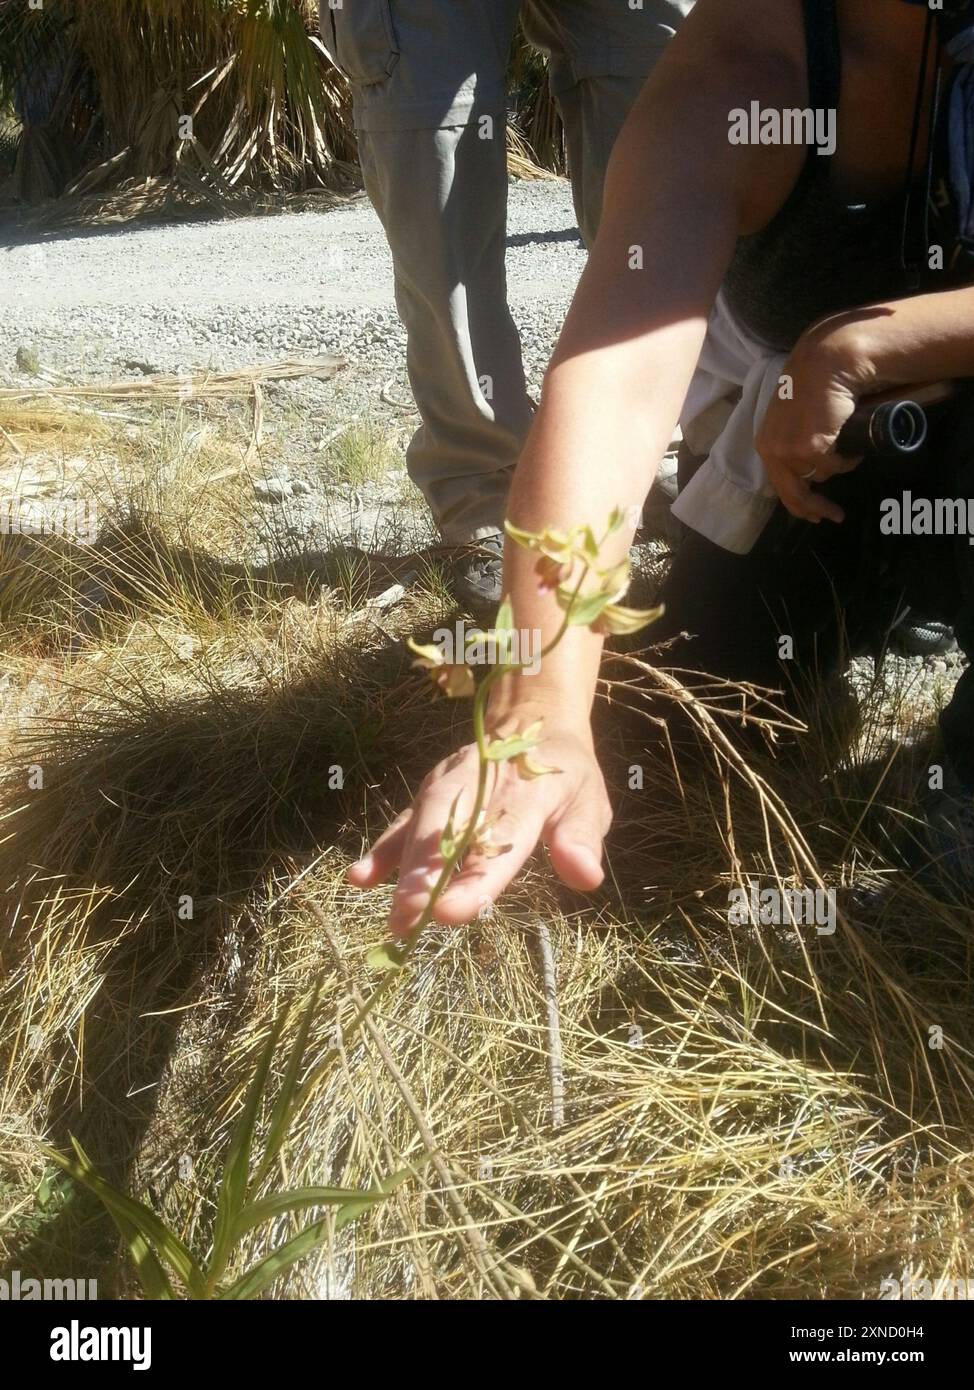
(211, 94)
(103, 91)
(536, 115)
(158, 1253)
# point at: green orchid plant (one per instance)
(588, 596)
(164, 1264)
(566, 565)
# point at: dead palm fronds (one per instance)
(538, 123)
(210, 94)
(238, 381)
(139, 104)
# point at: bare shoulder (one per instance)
(745, 40)
(728, 54)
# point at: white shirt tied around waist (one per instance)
(729, 499)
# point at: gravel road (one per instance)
(227, 293)
(230, 292)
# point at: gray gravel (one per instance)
(225, 293)
(229, 293)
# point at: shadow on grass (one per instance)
(160, 821)
(154, 807)
(134, 569)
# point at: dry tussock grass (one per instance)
(747, 1113)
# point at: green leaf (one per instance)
(299, 1199)
(448, 837)
(268, 1269)
(590, 546)
(627, 620)
(504, 621)
(586, 608)
(45, 1191)
(146, 1236)
(364, 1200)
(236, 1169)
(616, 517)
(383, 957)
(150, 1273)
(255, 1280)
(516, 744)
(527, 539)
(284, 1105)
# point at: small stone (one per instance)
(272, 489)
(28, 361)
(388, 598)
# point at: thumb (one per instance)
(575, 846)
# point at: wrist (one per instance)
(518, 700)
(841, 352)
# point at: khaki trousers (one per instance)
(428, 82)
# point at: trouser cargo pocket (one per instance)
(361, 36)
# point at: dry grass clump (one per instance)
(748, 1112)
(135, 108)
(200, 96)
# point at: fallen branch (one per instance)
(238, 382)
(556, 1067)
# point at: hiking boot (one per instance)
(477, 575)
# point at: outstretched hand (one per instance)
(567, 810)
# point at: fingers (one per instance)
(482, 878)
(799, 498)
(569, 810)
(379, 863)
(573, 834)
(794, 479)
(421, 862)
(822, 467)
(575, 844)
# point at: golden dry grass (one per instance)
(748, 1113)
(175, 106)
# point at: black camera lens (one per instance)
(899, 427)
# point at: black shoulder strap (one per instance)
(824, 54)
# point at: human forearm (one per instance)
(595, 447)
(924, 338)
(630, 344)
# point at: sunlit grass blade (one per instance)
(148, 1239)
(284, 1105)
(264, 1273)
(235, 1182)
(300, 1199)
(365, 1200)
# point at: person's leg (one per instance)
(782, 615)
(428, 80)
(600, 54)
(952, 559)
(442, 198)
